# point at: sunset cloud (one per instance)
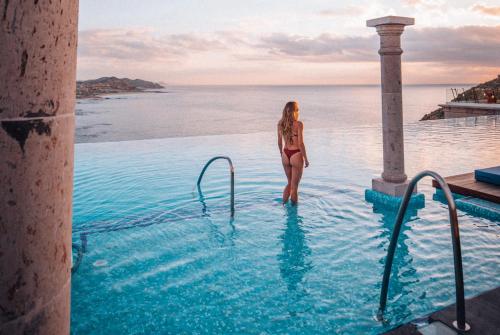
(345, 11)
(284, 41)
(493, 11)
(141, 45)
(467, 45)
(413, 2)
(323, 48)
(201, 55)
(427, 4)
(479, 45)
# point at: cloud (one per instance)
(323, 48)
(493, 11)
(141, 45)
(442, 52)
(413, 2)
(439, 5)
(466, 45)
(345, 11)
(478, 45)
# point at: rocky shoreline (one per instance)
(438, 114)
(95, 88)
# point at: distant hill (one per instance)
(468, 95)
(111, 85)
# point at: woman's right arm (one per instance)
(280, 140)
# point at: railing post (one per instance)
(232, 192)
(460, 323)
(231, 167)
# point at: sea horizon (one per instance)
(282, 85)
(193, 110)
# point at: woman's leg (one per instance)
(288, 172)
(297, 162)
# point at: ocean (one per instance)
(182, 111)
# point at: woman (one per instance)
(293, 155)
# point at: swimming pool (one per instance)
(159, 260)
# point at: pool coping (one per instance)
(482, 313)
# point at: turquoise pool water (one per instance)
(159, 261)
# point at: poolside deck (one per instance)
(482, 314)
(465, 184)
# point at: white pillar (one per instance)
(390, 28)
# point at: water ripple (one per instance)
(158, 260)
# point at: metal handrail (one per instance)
(81, 250)
(232, 178)
(460, 323)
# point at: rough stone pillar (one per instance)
(37, 96)
(390, 28)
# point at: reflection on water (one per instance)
(216, 235)
(403, 274)
(294, 262)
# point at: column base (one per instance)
(383, 201)
(393, 189)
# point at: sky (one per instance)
(284, 42)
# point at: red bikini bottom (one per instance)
(289, 153)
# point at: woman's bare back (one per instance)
(293, 144)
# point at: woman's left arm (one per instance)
(302, 145)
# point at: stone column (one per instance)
(390, 28)
(37, 97)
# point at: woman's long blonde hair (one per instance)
(286, 122)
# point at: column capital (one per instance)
(391, 20)
(390, 29)
(390, 41)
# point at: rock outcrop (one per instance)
(112, 85)
(435, 115)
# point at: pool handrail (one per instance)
(231, 168)
(81, 249)
(460, 323)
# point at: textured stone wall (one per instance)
(37, 95)
(454, 112)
